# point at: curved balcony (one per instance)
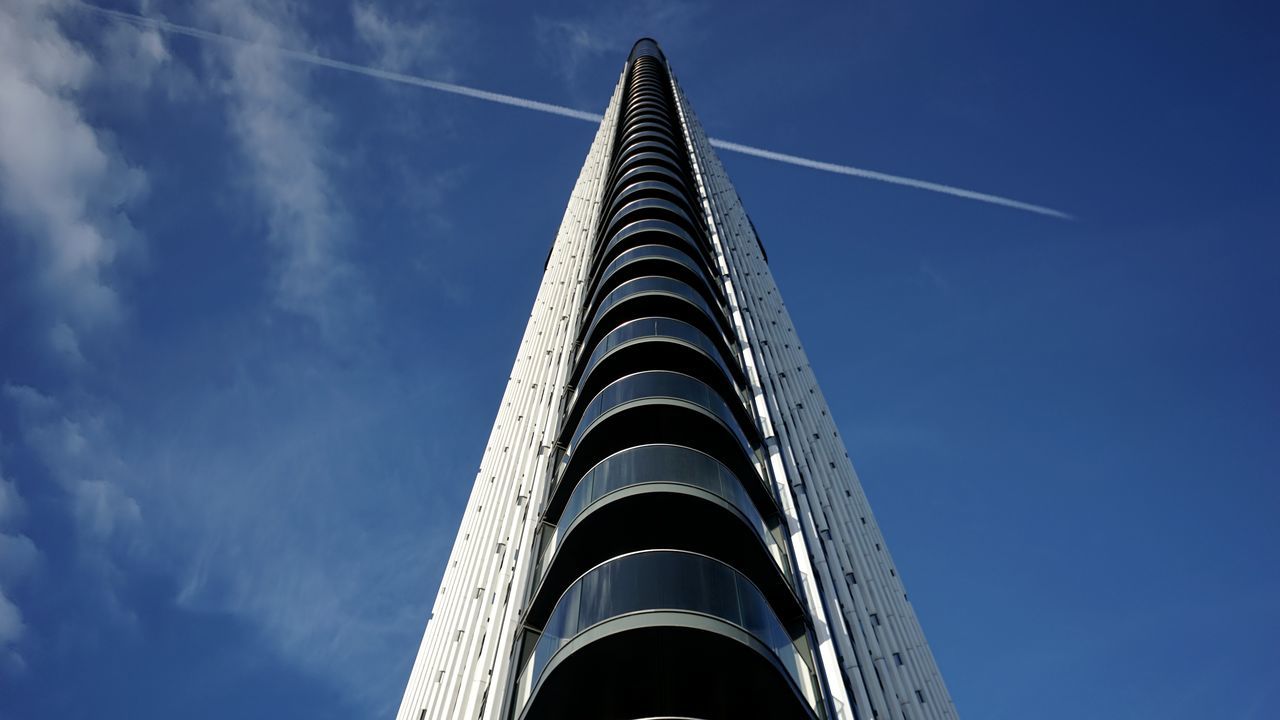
(665, 148)
(634, 347)
(642, 134)
(655, 117)
(664, 463)
(634, 637)
(649, 172)
(664, 159)
(681, 507)
(643, 232)
(647, 138)
(661, 260)
(635, 261)
(657, 104)
(655, 295)
(653, 261)
(651, 208)
(645, 132)
(657, 189)
(645, 81)
(647, 121)
(678, 408)
(647, 96)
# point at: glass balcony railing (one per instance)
(650, 207)
(665, 580)
(651, 284)
(656, 230)
(651, 189)
(663, 463)
(656, 252)
(659, 327)
(659, 385)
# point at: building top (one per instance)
(646, 46)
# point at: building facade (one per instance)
(665, 522)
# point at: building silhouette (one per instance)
(665, 522)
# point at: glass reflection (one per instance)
(657, 327)
(657, 189)
(660, 384)
(666, 580)
(657, 283)
(643, 204)
(656, 230)
(663, 463)
(655, 252)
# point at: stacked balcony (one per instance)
(663, 583)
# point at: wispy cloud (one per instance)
(76, 449)
(62, 182)
(606, 33)
(259, 526)
(283, 135)
(400, 45)
(265, 46)
(75, 446)
(267, 503)
(18, 555)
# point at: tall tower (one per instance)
(665, 522)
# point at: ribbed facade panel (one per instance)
(466, 647)
(868, 616)
(665, 521)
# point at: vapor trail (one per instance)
(312, 59)
(887, 178)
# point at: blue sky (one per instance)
(256, 317)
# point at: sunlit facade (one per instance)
(665, 522)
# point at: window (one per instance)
(897, 659)
(875, 620)
(920, 697)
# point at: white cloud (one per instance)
(135, 59)
(283, 138)
(400, 46)
(574, 44)
(18, 556)
(12, 629)
(76, 448)
(62, 182)
(269, 503)
(606, 32)
(12, 508)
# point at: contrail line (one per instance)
(504, 99)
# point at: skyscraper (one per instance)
(665, 521)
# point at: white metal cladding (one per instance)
(463, 664)
(863, 616)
